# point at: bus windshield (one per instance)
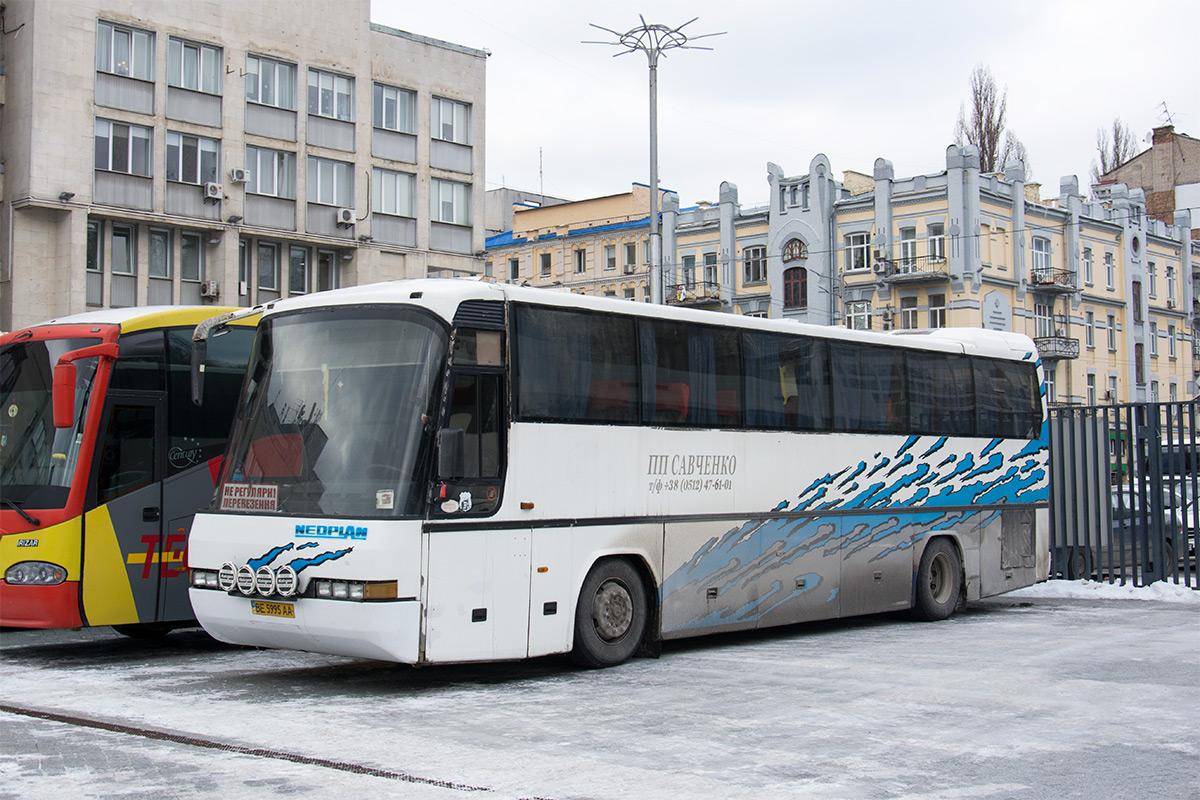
(37, 460)
(338, 414)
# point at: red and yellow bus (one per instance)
(104, 459)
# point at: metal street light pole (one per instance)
(653, 40)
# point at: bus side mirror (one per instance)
(199, 355)
(452, 454)
(64, 394)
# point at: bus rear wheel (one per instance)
(610, 617)
(939, 582)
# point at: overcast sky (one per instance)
(853, 79)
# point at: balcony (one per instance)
(1054, 281)
(1052, 348)
(693, 293)
(908, 270)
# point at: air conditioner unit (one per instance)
(345, 217)
(210, 289)
(1171, 303)
(887, 314)
(630, 269)
(238, 175)
(212, 191)
(880, 265)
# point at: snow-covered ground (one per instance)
(1161, 591)
(1064, 690)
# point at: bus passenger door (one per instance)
(123, 528)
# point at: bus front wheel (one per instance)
(939, 581)
(610, 617)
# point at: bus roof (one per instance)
(141, 318)
(443, 296)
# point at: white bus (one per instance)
(450, 470)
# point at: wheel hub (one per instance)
(612, 612)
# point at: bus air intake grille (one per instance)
(485, 314)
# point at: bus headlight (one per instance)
(245, 580)
(204, 579)
(35, 573)
(264, 581)
(286, 581)
(227, 577)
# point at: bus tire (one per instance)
(144, 630)
(939, 582)
(610, 617)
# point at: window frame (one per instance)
(256, 95)
(192, 273)
(341, 95)
(178, 162)
(282, 163)
(131, 155)
(461, 200)
(380, 194)
(754, 265)
(379, 98)
(459, 124)
(177, 51)
(329, 182)
(141, 59)
(795, 288)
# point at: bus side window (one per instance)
(127, 453)
(475, 409)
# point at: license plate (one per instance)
(273, 609)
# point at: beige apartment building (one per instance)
(229, 153)
(1105, 291)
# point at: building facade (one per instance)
(185, 153)
(1168, 173)
(1106, 291)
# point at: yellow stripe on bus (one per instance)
(57, 544)
(174, 557)
(107, 595)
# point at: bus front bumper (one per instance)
(387, 631)
(48, 607)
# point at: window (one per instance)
(580, 262)
(514, 269)
(858, 254)
(937, 310)
(298, 270)
(546, 260)
(1087, 265)
(1171, 342)
(244, 268)
(712, 274)
(1041, 259)
(936, 234)
(1172, 392)
(1112, 333)
(1112, 388)
(908, 249)
(610, 257)
(795, 287)
(1153, 391)
(1170, 277)
(450, 202)
(191, 256)
(450, 121)
(1110, 270)
(858, 315)
(754, 265)
(630, 256)
(1043, 322)
(1154, 340)
(1135, 300)
(908, 314)
(270, 82)
(1051, 379)
(330, 183)
(124, 250)
(394, 192)
(1152, 271)
(199, 67)
(192, 159)
(688, 277)
(268, 266)
(795, 250)
(1091, 390)
(1139, 364)
(395, 109)
(272, 172)
(630, 293)
(1089, 329)
(330, 95)
(122, 148)
(124, 51)
(869, 388)
(95, 251)
(327, 270)
(160, 254)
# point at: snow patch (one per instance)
(1161, 591)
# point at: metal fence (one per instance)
(1124, 485)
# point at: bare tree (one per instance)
(1114, 147)
(985, 126)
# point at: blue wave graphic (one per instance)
(299, 564)
(269, 556)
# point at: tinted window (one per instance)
(1007, 399)
(575, 365)
(691, 374)
(196, 434)
(127, 452)
(941, 394)
(869, 388)
(787, 382)
(139, 366)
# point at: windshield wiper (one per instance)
(25, 515)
